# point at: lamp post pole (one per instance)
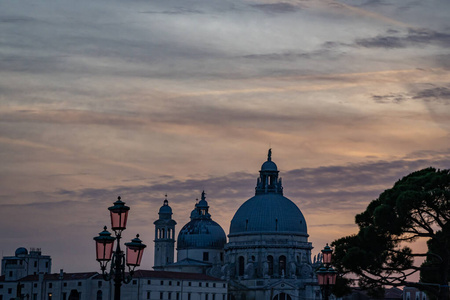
(105, 244)
(326, 275)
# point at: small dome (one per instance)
(165, 212)
(201, 234)
(269, 166)
(21, 251)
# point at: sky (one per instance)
(143, 98)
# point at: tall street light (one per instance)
(105, 244)
(326, 275)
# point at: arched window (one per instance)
(282, 265)
(99, 295)
(282, 296)
(270, 261)
(241, 266)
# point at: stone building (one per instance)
(146, 284)
(267, 256)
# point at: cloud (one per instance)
(414, 37)
(176, 11)
(434, 94)
(390, 98)
(16, 19)
(280, 7)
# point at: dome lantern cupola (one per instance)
(268, 181)
(202, 208)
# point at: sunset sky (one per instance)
(140, 98)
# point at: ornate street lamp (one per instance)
(105, 244)
(326, 274)
(326, 254)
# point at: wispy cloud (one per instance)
(414, 37)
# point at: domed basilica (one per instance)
(267, 256)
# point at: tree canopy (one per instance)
(417, 206)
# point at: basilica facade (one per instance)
(267, 255)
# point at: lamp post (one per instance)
(326, 275)
(105, 244)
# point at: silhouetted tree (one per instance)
(417, 206)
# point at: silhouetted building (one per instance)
(268, 255)
(25, 263)
(91, 286)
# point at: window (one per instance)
(282, 296)
(99, 295)
(34, 296)
(50, 285)
(148, 294)
(64, 296)
(178, 296)
(282, 265)
(241, 266)
(205, 256)
(49, 296)
(65, 284)
(134, 282)
(169, 295)
(221, 256)
(162, 282)
(206, 296)
(35, 285)
(79, 283)
(270, 262)
(1, 286)
(189, 283)
(161, 295)
(10, 273)
(189, 296)
(46, 264)
(100, 283)
(9, 291)
(214, 285)
(178, 283)
(170, 282)
(35, 264)
(149, 282)
(207, 284)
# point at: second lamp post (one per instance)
(105, 244)
(326, 275)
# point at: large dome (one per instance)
(268, 213)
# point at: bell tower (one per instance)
(164, 237)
